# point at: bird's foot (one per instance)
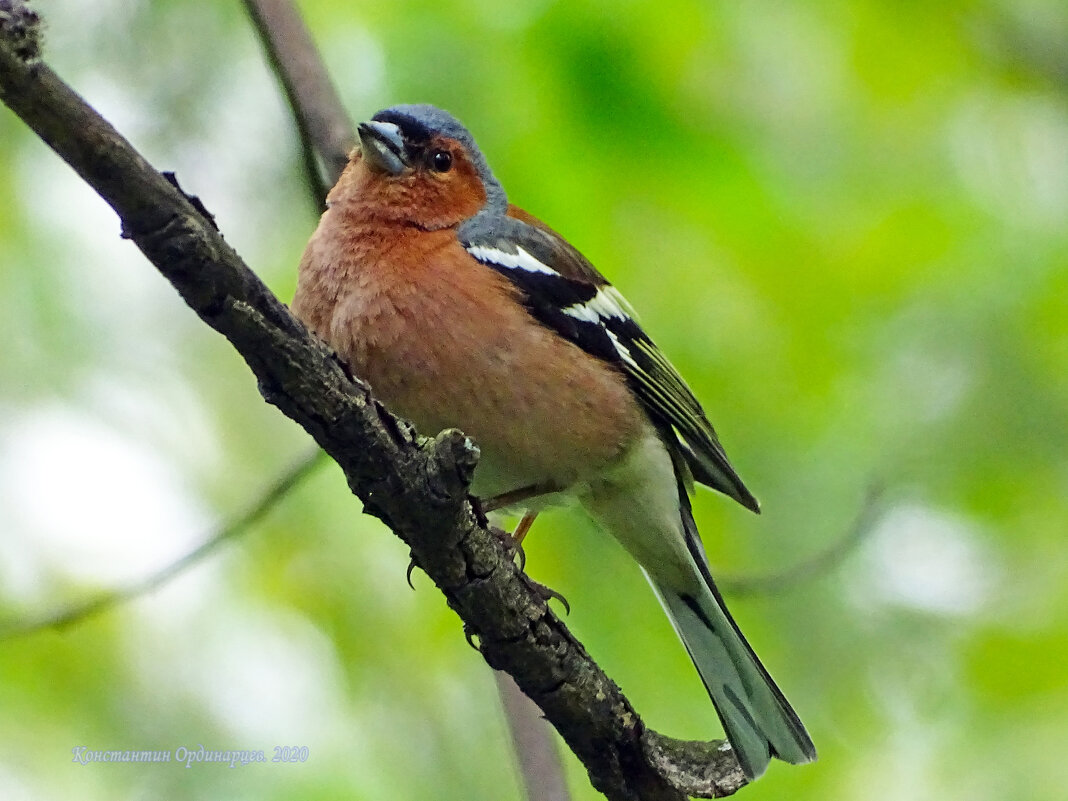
(471, 635)
(548, 593)
(513, 546)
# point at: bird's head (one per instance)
(418, 165)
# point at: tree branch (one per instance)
(417, 486)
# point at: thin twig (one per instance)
(821, 562)
(68, 616)
(535, 746)
(326, 132)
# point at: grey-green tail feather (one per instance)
(758, 720)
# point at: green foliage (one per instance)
(845, 223)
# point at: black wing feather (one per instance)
(555, 277)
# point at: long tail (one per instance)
(759, 721)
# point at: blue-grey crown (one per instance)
(419, 121)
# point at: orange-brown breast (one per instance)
(443, 341)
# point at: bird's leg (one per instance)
(523, 527)
(515, 496)
(546, 592)
(514, 541)
(516, 538)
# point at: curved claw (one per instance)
(510, 545)
(513, 543)
(548, 593)
(469, 635)
(479, 510)
(408, 576)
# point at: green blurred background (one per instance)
(846, 223)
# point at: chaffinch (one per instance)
(463, 310)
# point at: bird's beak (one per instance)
(383, 147)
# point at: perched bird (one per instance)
(462, 310)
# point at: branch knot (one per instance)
(22, 27)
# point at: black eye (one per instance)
(441, 160)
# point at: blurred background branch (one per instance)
(105, 601)
(326, 132)
(820, 563)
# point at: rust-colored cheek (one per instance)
(466, 195)
(422, 199)
(445, 200)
